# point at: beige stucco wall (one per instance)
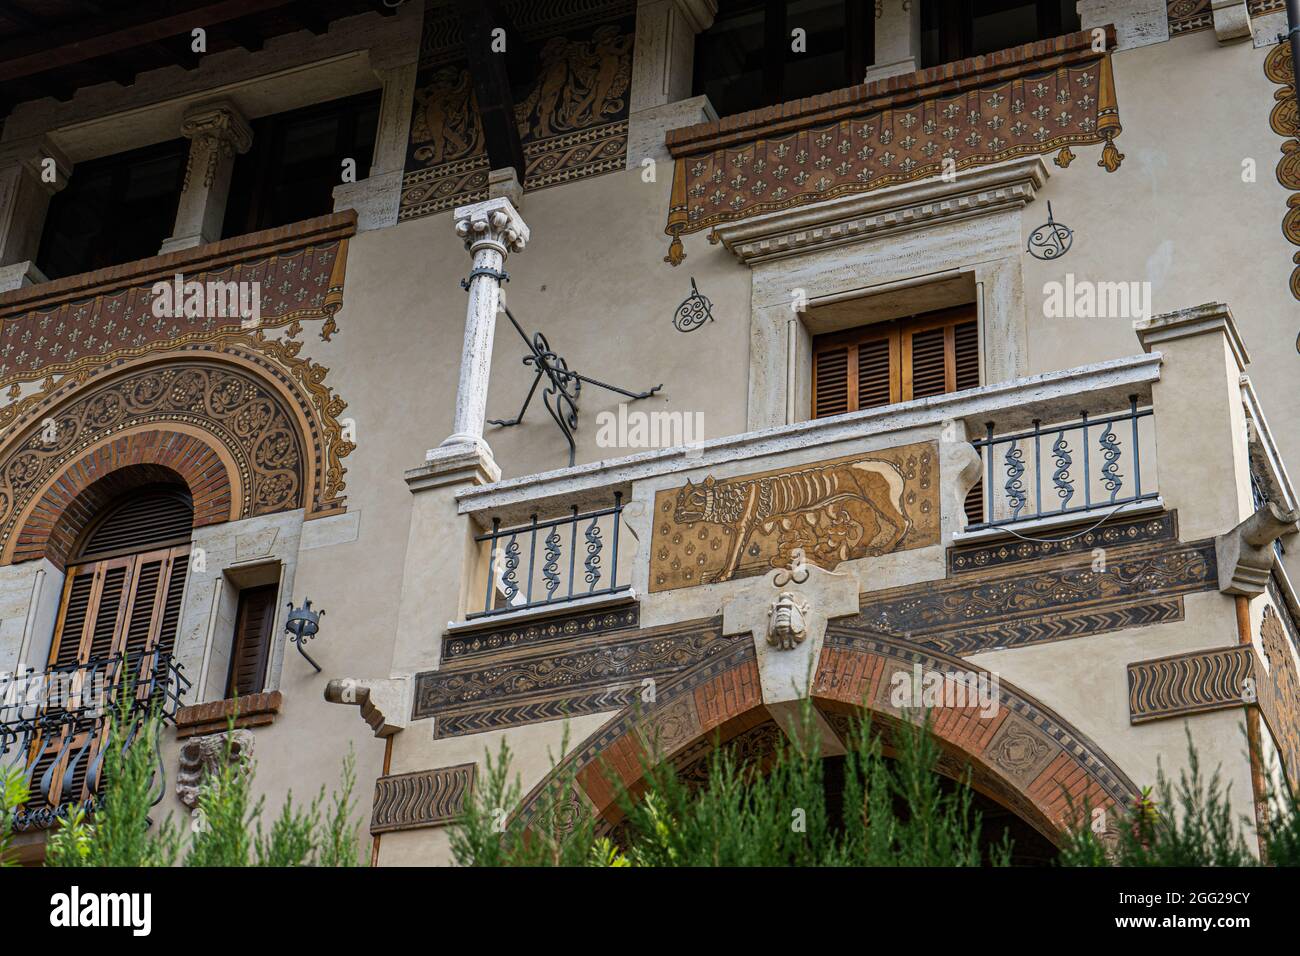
(593, 280)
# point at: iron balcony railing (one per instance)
(1072, 467)
(572, 557)
(53, 724)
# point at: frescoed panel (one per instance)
(834, 511)
(571, 114)
(1279, 694)
(873, 136)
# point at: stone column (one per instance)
(216, 131)
(31, 171)
(378, 198)
(898, 39)
(491, 230)
(663, 64)
(1137, 22)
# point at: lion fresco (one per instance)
(831, 512)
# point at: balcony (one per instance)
(53, 724)
(677, 525)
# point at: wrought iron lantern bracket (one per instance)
(563, 389)
(302, 625)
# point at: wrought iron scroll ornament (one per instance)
(694, 311)
(564, 386)
(1051, 240)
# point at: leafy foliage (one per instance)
(225, 830)
(896, 813)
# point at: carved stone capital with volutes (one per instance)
(494, 224)
(219, 131)
(202, 757)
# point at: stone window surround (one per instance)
(238, 554)
(910, 240)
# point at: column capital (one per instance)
(492, 224)
(221, 128)
(30, 153)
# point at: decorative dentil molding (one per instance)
(801, 229)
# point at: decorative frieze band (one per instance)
(1113, 534)
(424, 798)
(1191, 683)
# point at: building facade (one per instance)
(628, 373)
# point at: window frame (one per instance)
(859, 23)
(900, 333)
(266, 155)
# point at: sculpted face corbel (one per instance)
(787, 611)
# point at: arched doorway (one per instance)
(754, 751)
(1021, 755)
(118, 616)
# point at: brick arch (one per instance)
(1025, 756)
(54, 523)
(191, 410)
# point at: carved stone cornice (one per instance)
(221, 130)
(1197, 320)
(977, 192)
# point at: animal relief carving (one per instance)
(841, 510)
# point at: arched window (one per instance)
(116, 626)
(124, 584)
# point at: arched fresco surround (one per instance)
(238, 419)
(1024, 756)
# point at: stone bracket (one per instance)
(1245, 554)
(385, 703)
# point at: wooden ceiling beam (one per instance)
(487, 70)
(141, 25)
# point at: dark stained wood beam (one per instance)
(487, 70)
(24, 18)
(110, 69)
(141, 24)
(308, 17)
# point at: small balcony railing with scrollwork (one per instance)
(53, 724)
(1080, 467)
(552, 562)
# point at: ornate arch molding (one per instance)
(1024, 756)
(245, 421)
(68, 507)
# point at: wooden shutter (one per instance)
(893, 362)
(252, 646)
(831, 382)
(143, 522)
